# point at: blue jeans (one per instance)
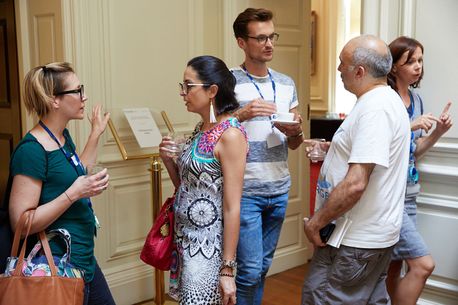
(261, 219)
(97, 292)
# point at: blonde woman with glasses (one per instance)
(49, 175)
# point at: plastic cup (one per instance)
(177, 147)
(94, 168)
(317, 153)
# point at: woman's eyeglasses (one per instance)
(185, 87)
(80, 90)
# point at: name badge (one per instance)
(74, 160)
(274, 138)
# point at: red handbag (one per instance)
(158, 247)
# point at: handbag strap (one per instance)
(18, 232)
(63, 234)
(30, 215)
(47, 249)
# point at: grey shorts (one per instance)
(347, 276)
(410, 244)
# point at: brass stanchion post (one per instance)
(156, 198)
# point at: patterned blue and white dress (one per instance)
(194, 276)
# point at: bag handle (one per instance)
(30, 215)
(44, 242)
(63, 234)
(18, 232)
(47, 249)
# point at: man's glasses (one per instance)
(80, 90)
(262, 39)
(185, 87)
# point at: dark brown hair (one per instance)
(397, 48)
(240, 25)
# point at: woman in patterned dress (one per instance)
(208, 176)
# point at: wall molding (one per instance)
(118, 276)
(444, 171)
(439, 291)
(231, 52)
(195, 28)
(436, 202)
(407, 18)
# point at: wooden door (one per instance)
(292, 57)
(10, 118)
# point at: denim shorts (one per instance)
(410, 244)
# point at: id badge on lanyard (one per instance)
(75, 161)
(275, 137)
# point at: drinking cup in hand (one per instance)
(178, 145)
(94, 168)
(317, 153)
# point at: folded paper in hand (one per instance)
(342, 225)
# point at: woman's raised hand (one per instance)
(98, 121)
(165, 151)
(445, 120)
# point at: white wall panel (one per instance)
(437, 28)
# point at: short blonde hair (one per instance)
(42, 83)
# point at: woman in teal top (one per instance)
(50, 176)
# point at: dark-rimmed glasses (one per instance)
(80, 90)
(184, 87)
(262, 39)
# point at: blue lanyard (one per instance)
(412, 105)
(256, 85)
(412, 135)
(72, 158)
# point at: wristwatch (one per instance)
(232, 264)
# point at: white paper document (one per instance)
(342, 225)
(144, 127)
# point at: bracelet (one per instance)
(226, 274)
(71, 201)
(232, 264)
(300, 134)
